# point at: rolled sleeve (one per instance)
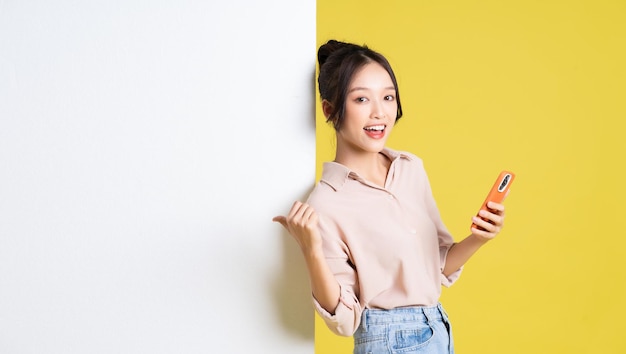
(447, 281)
(347, 316)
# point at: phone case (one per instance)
(498, 192)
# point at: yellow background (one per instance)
(537, 87)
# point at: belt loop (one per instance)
(364, 320)
(441, 311)
(428, 316)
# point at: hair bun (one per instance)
(326, 50)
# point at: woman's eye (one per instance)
(389, 98)
(361, 99)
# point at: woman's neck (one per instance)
(372, 166)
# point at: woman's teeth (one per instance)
(375, 128)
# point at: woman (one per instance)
(375, 247)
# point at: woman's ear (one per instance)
(327, 108)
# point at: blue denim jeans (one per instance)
(404, 330)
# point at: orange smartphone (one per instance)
(498, 192)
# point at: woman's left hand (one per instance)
(491, 221)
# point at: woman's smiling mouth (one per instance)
(375, 131)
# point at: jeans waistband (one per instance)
(372, 317)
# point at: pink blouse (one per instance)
(386, 246)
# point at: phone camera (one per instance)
(504, 183)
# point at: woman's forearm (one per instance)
(324, 285)
(461, 252)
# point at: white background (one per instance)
(144, 148)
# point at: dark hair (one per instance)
(338, 62)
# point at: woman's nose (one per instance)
(377, 110)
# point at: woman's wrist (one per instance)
(479, 239)
(313, 253)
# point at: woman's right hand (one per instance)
(301, 222)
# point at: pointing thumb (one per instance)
(281, 219)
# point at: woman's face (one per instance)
(371, 110)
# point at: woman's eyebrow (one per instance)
(358, 88)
